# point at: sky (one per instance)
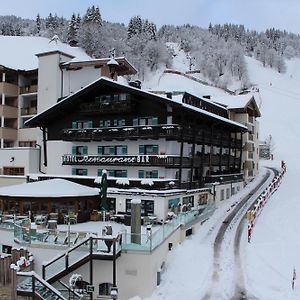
(254, 14)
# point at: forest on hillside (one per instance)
(218, 52)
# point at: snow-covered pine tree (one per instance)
(135, 26)
(38, 24)
(72, 30)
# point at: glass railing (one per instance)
(151, 240)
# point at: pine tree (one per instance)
(38, 23)
(72, 30)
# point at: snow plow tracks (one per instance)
(237, 215)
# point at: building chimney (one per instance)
(169, 95)
(206, 97)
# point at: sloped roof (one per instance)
(19, 52)
(41, 118)
(53, 188)
(238, 102)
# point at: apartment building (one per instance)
(45, 72)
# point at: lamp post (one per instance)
(103, 192)
(214, 189)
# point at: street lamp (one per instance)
(103, 192)
(214, 189)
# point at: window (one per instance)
(81, 172)
(104, 288)
(227, 193)
(13, 171)
(147, 207)
(27, 143)
(188, 199)
(148, 174)
(222, 195)
(79, 150)
(119, 122)
(82, 124)
(173, 202)
(112, 150)
(117, 173)
(145, 121)
(148, 149)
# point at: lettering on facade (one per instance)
(98, 160)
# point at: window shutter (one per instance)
(74, 150)
(100, 150)
(115, 123)
(73, 171)
(74, 125)
(155, 149)
(124, 173)
(112, 150)
(141, 149)
(154, 121)
(111, 173)
(90, 124)
(84, 172)
(84, 150)
(141, 173)
(99, 172)
(135, 122)
(124, 150)
(101, 123)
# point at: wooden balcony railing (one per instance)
(28, 89)
(170, 132)
(222, 178)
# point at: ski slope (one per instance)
(268, 261)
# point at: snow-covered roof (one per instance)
(230, 101)
(19, 52)
(34, 121)
(52, 188)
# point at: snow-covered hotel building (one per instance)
(166, 150)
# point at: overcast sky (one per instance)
(254, 14)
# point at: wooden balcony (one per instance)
(9, 89)
(127, 160)
(222, 178)
(7, 111)
(8, 133)
(123, 133)
(169, 132)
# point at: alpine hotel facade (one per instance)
(167, 151)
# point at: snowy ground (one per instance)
(268, 261)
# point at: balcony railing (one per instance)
(28, 111)
(171, 132)
(222, 178)
(122, 133)
(28, 89)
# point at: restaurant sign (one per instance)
(100, 160)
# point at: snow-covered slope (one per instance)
(273, 253)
